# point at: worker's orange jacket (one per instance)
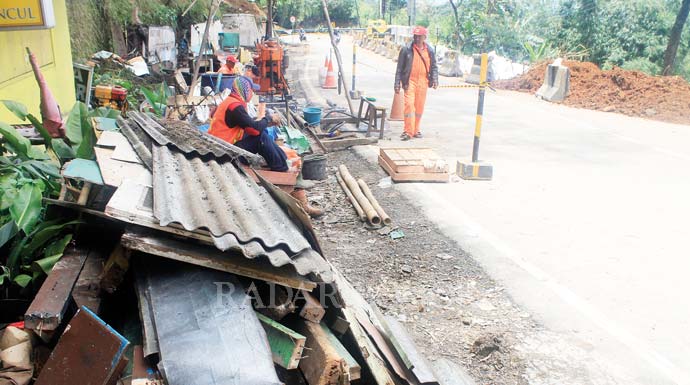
(219, 128)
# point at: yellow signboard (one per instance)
(26, 14)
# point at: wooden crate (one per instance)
(408, 165)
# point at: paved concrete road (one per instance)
(585, 222)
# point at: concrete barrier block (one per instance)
(450, 66)
(473, 77)
(556, 83)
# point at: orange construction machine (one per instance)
(272, 63)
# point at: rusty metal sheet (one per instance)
(190, 140)
(89, 353)
(206, 338)
(48, 307)
(220, 198)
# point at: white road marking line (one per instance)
(636, 345)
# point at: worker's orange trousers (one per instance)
(415, 97)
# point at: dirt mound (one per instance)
(665, 98)
(244, 6)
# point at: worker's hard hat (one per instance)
(419, 30)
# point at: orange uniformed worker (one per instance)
(416, 72)
(229, 67)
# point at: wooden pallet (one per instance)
(407, 165)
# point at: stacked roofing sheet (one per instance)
(189, 140)
(210, 192)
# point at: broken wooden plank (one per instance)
(387, 352)
(335, 145)
(87, 289)
(286, 344)
(312, 309)
(281, 302)
(420, 368)
(353, 367)
(115, 269)
(167, 247)
(207, 332)
(48, 308)
(354, 304)
(89, 352)
(323, 365)
(142, 372)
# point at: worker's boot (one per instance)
(301, 196)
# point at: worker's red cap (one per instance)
(231, 59)
(419, 30)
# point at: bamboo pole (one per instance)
(374, 203)
(337, 56)
(204, 40)
(369, 211)
(355, 204)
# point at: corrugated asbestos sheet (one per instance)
(241, 215)
(218, 197)
(190, 140)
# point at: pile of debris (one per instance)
(228, 277)
(633, 93)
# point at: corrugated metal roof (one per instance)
(190, 140)
(240, 214)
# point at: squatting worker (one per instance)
(416, 72)
(232, 123)
(229, 67)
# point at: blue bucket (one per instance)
(312, 115)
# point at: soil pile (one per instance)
(633, 93)
(244, 6)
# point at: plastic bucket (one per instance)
(314, 167)
(312, 115)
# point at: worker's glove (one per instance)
(397, 88)
(434, 84)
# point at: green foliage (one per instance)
(80, 131)
(30, 245)
(156, 99)
(632, 34)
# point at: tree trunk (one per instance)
(457, 24)
(674, 39)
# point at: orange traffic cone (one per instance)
(330, 81)
(322, 72)
(398, 107)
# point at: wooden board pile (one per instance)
(413, 165)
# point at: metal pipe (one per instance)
(355, 204)
(354, 65)
(374, 203)
(369, 210)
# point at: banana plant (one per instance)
(32, 244)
